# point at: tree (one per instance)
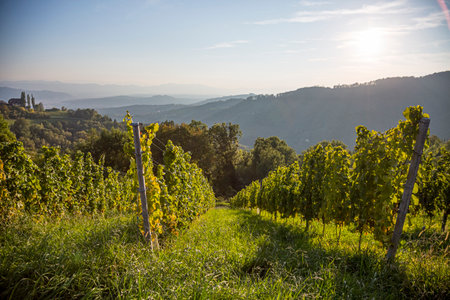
(269, 154)
(109, 143)
(5, 134)
(28, 101)
(244, 168)
(21, 128)
(33, 102)
(224, 138)
(40, 107)
(23, 100)
(193, 138)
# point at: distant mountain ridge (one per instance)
(46, 97)
(118, 101)
(92, 90)
(225, 98)
(181, 113)
(307, 116)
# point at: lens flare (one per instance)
(445, 11)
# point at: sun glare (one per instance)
(369, 44)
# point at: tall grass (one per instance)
(226, 254)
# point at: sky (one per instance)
(260, 46)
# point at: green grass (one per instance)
(222, 203)
(226, 254)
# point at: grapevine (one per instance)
(363, 188)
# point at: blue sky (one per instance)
(243, 46)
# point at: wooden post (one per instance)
(142, 189)
(408, 188)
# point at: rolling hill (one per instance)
(117, 101)
(47, 97)
(179, 113)
(309, 115)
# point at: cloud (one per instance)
(420, 58)
(319, 59)
(431, 21)
(313, 3)
(298, 42)
(227, 44)
(297, 19)
(293, 51)
(393, 7)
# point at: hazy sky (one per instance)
(262, 46)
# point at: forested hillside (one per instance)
(173, 112)
(54, 127)
(309, 115)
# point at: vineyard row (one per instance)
(57, 184)
(362, 188)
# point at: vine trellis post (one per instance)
(408, 188)
(142, 189)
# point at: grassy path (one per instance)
(226, 254)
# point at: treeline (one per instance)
(362, 187)
(54, 127)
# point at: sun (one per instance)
(369, 44)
